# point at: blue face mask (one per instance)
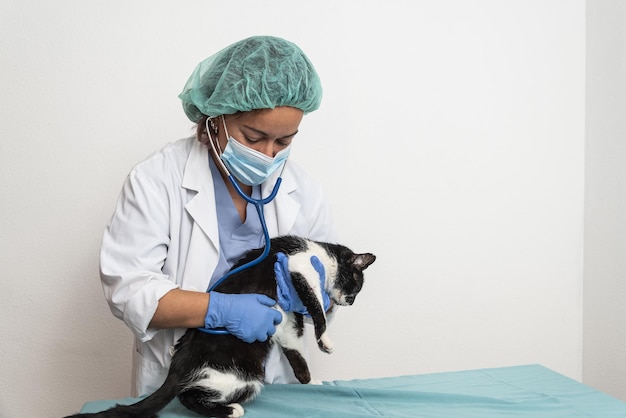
(249, 166)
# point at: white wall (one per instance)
(450, 142)
(605, 199)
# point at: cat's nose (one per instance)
(350, 299)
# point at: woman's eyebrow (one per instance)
(264, 134)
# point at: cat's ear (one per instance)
(362, 261)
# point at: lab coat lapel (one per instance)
(201, 207)
(281, 213)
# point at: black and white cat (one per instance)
(213, 374)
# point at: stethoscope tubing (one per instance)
(258, 204)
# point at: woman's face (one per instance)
(268, 130)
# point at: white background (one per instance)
(451, 142)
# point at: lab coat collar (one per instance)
(281, 213)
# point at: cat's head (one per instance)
(349, 280)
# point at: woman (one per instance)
(179, 223)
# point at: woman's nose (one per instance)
(267, 148)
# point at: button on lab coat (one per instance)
(164, 235)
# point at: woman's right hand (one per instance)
(249, 317)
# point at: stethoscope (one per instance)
(258, 205)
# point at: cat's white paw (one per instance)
(237, 410)
(325, 344)
(315, 382)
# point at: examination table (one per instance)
(518, 391)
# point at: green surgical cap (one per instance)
(261, 72)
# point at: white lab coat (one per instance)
(164, 235)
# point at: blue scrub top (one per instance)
(236, 238)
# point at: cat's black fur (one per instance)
(229, 355)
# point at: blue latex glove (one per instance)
(287, 296)
(249, 317)
(319, 268)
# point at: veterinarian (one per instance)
(179, 225)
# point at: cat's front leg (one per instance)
(313, 303)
